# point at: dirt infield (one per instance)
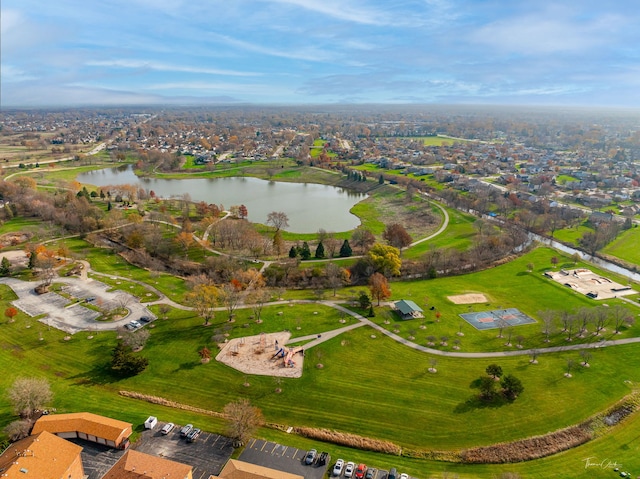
(256, 355)
(469, 298)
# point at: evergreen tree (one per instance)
(5, 267)
(125, 363)
(320, 251)
(109, 206)
(32, 259)
(293, 252)
(381, 180)
(345, 249)
(305, 252)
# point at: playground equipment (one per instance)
(288, 360)
(287, 354)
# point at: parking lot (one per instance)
(282, 458)
(96, 458)
(207, 455)
(68, 315)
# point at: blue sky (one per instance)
(114, 52)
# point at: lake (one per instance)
(309, 206)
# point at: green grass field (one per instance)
(625, 246)
(372, 386)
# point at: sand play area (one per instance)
(265, 355)
(589, 283)
(469, 298)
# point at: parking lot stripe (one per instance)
(275, 446)
(263, 446)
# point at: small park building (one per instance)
(407, 309)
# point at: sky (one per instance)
(292, 52)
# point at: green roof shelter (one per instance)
(408, 309)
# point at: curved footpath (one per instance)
(69, 324)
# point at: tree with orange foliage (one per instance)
(184, 240)
(11, 313)
(379, 287)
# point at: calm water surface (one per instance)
(309, 206)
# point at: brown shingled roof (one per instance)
(99, 426)
(235, 469)
(137, 465)
(41, 455)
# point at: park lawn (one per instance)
(571, 236)
(443, 404)
(459, 235)
(506, 286)
(107, 262)
(20, 223)
(625, 246)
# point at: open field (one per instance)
(369, 384)
(625, 246)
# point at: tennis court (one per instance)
(497, 318)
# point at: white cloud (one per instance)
(166, 67)
(555, 30)
(11, 73)
(342, 10)
(308, 54)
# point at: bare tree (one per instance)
(257, 298)
(243, 420)
(621, 316)
(586, 357)
(17, 430)
(547, 317)
(136, 339)
(278, 220)
(336, 276)
(230, 295)
(601, 318)
(28, 395)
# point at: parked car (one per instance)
(361, 471)
(349, 468)
(310, 457)
(393, 474)
(186, 430)
(323, 459)
(144, 319)
(135, 324)
(193, 435)
(371, 473)
(167, 428)
(337, 468)
(404, 476)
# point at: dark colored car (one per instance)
(193, 435)
(371, 473)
